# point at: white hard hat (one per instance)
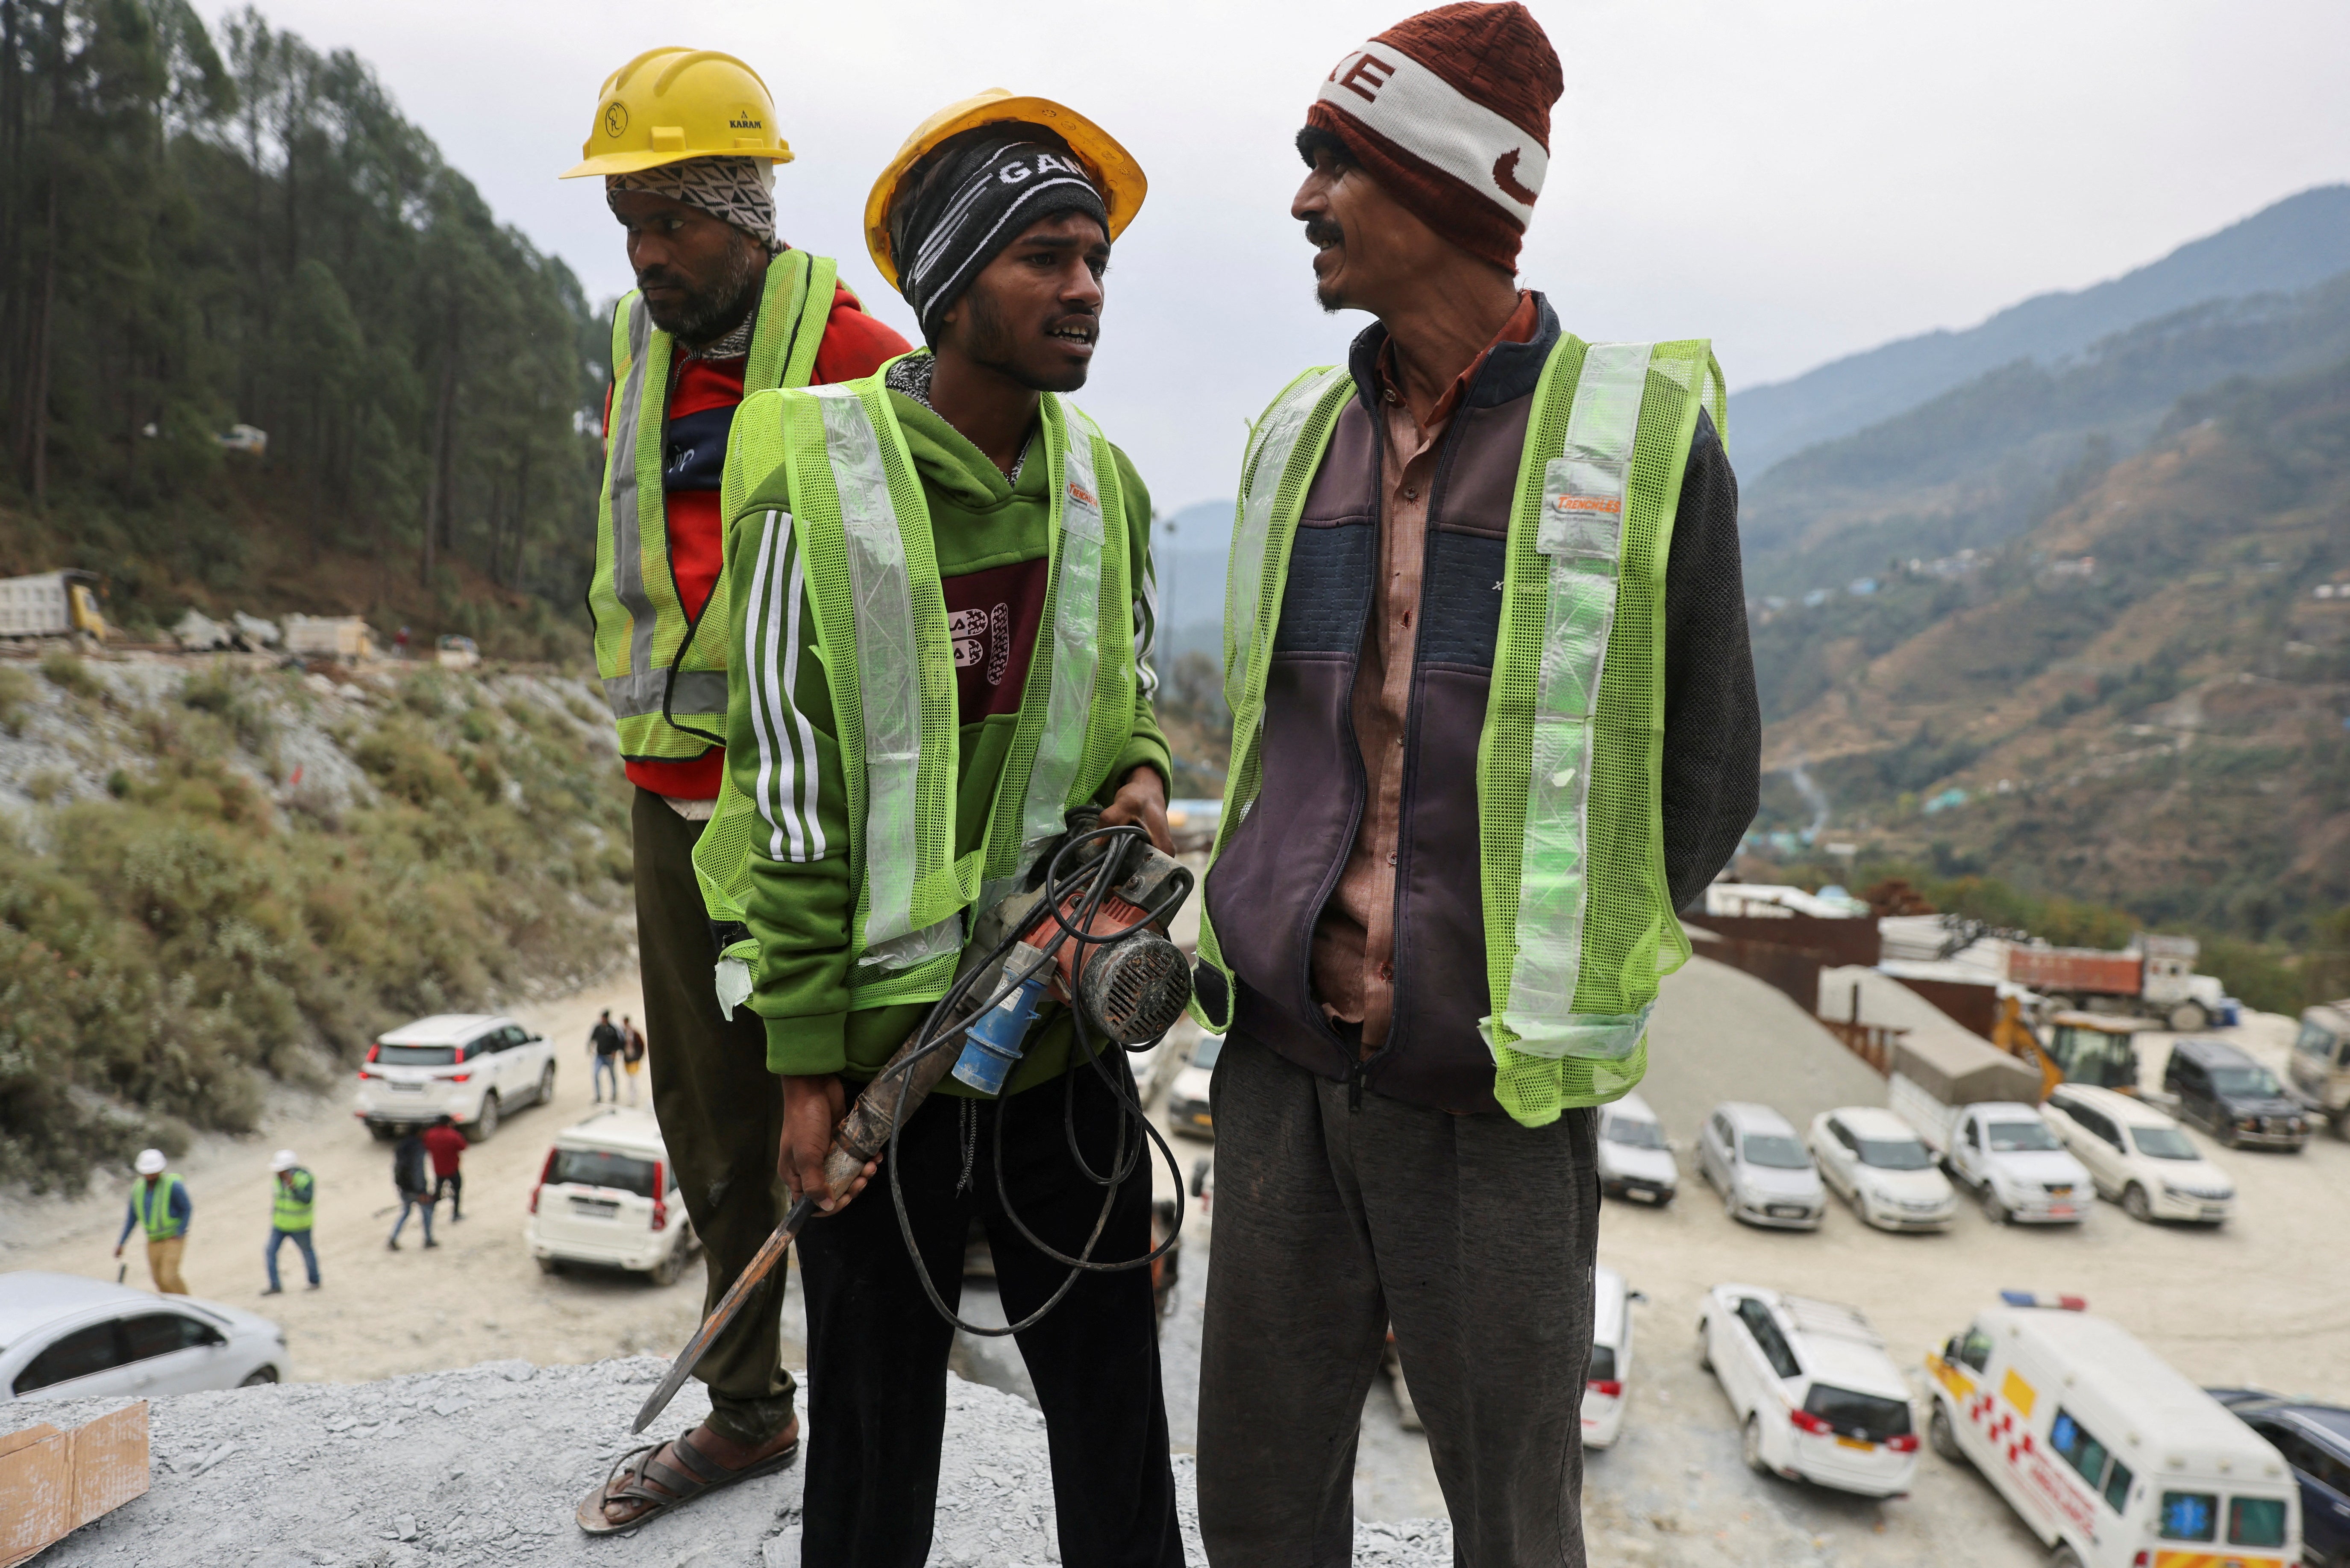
(150, 1162)
(283, 1160)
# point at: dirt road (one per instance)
(476, 1297)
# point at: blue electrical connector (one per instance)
(992, 1048)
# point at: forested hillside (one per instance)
(198, 231)
(2141, 702)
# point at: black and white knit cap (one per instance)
(958, 214)
(737, 191)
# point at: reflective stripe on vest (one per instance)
(1283, 452)
(666, 685)
(290, 1210)
(872, 573)
(155, 1208)
(1579, 924)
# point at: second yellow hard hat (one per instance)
(671, 104)
(1112, 167)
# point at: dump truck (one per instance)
(343, 636)
(2154, 977)
(52, 604)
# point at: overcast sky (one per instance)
(1796, 178)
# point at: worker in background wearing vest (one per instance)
(159, 1204)
(292, 1202)
(1501, 725)
(1017, 540)
(686, 143)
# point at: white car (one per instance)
(1152, 1066)
(1635, 1158)
(1876, 1163)
(473, 1066)
(1816, 1397)
(1604, 1396)
(608, 1195)
(66, 1337)
(1186, 1097)
(1754, 1160)
(2008, 1154)
(2139, 1157)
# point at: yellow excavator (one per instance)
(2081, 1048)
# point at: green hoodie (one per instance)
(800, 905)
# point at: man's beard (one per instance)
(709, 314)
(1321, 233)
(993, 344)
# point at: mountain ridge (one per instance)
(2286, 246)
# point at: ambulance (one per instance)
(2111, 1456)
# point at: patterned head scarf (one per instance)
(737, 191)
(983, 195)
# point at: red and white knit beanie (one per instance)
(1449, 110)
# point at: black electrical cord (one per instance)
(1096, 884)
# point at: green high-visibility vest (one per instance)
(1579, 922)
(666, 684)
(833, 463)
(154, 1203)
(290, 1210)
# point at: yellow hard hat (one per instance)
(669, 105)
(1111, 167)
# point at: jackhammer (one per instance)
(1087, 929)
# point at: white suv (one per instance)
(2138, 1157)
(608, 1195)
(473, 1066)
(1817, 1397)
(1871, 1158)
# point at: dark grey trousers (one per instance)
(1473, 1235)
(721, 1117)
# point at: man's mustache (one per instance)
(1323, 232)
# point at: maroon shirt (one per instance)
(992, 615)
(444, 1144)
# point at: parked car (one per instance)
(2110, 1456)
(1605, 1389)
(608, 1195)
(2232, 1097)
(2321, 1062)
(1635, 1160)
(1754, 1160)
(2139, 1157)
(66, 1337)
(1816, 1397)
(1186, 1097)
(1152, 1065)
(2315, 1438)
(1872, 1159)
(2011, 1158)
(473, 1066)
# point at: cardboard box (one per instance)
(52, 1482)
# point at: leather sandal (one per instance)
(640, 1476)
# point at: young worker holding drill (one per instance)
(686, 143)
(1503, 726)
(942, 616)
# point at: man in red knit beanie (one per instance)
(1495, 723)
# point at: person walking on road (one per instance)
(604, 1044)
(684, 144)
(408, 1174)
(290, 1210)
(633, 1055)
(160, 1202)
(447, 1146)
(1496, 722)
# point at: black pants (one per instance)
(877, 1351)
(721, 1115)
(453, 1188)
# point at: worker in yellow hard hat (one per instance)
(951, 527)
(686, 142)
